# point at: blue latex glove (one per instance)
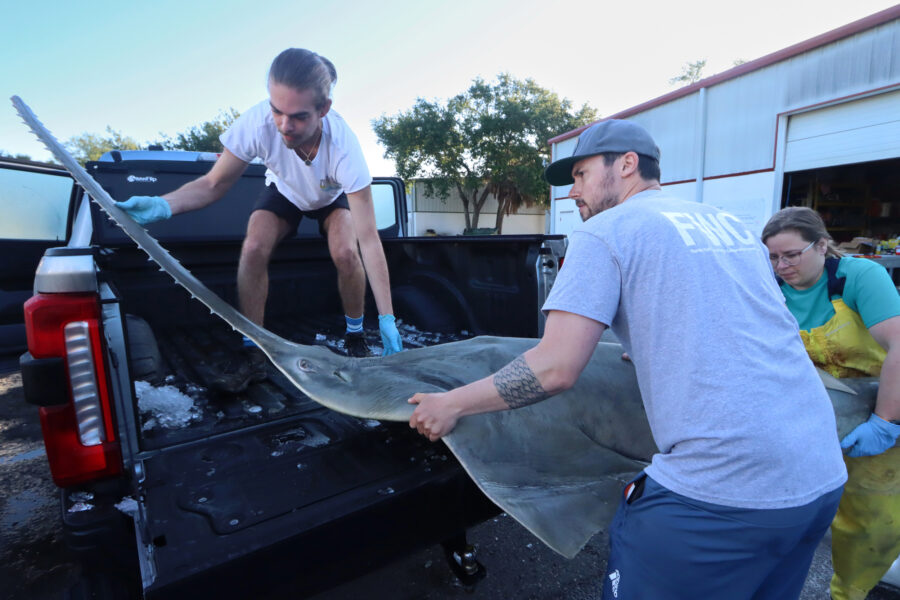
(870, 438)
(146, 209)
(390, 337)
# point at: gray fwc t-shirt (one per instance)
(736, 407)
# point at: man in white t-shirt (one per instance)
(316, 170)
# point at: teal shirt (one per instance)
(868, 291)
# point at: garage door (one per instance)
(858, 131)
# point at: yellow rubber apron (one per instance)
(865, 534)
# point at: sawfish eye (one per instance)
(304, 365)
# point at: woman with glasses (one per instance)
(849, 315)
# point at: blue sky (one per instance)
(151, 67)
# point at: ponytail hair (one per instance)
(304, 70)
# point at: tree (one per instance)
(490, 139)
(200, 138)
(5, 154)
(692, 72)
(90, 146)
(203, 137)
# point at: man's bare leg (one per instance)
(344, 250)
(264, 231)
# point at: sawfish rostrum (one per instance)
(557, 467)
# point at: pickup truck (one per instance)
(261, 492)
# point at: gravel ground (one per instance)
(35, 564)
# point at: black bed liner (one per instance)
(270, 466)
(322, 476)
(189, 353)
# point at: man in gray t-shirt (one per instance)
(749, 472)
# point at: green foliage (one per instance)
(200, 138)
(692, 72)
(490, 139)
(203, 137)
(5, 154)
(90, 146)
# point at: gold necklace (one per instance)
(308, 156)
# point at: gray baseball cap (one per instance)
(613, 135)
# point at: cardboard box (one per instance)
(859, 245)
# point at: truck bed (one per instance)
(270, 467)
(314, 478)
(265, 486)
(190, 353)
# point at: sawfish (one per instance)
(557, 467)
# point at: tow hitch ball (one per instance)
(466, 561)
(461, 558)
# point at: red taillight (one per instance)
(79, 436)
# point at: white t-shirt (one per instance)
(735, 405)
(339, 165)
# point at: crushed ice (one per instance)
(165, 406)
(128, 505)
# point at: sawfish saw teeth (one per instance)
(142, 239)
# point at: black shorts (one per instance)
(274, 201)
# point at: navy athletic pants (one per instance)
(666, 546)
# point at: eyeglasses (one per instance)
(789, 258)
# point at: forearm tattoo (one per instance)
(517, 384)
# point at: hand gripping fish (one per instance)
(557, 466)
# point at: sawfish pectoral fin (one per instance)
(563, 498)
(833, 383)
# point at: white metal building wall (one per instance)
(738, 129)
(563, 212)
(865, 61)
(672, 126)
(741, 122)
